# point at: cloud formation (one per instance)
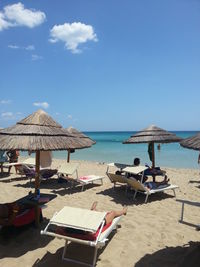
(5, 102)
(17, 15)
(41, 104)
(69, 116)
(36, 57)
(28, 47)
(7, 115)
(73, 35)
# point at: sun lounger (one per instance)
(69, 172)
(68, 169)
(191, 203)
(120, 166)
(88, 179)
(117, 179)
(137, 186)
(81, 220)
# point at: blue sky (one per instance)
(101, 65)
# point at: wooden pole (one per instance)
(37, 169)
(37, 185)
(153, 155)
(68, 155)
(153, 161)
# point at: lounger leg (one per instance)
(174, 192)
(134, 196)
(95, 257)
(182, 211)
(64, 250)
(146, 198)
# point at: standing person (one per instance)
(199, 159)
(13, 156)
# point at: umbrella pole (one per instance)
(153, 160)
(37, 168)
(68, 155)
(37, 185)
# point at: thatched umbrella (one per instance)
(84, 138)
(191, 142)
(151, 135)
(38, 132)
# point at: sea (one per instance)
(109, 148)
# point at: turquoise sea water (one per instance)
(109, 148)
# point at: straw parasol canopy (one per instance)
(38, 132)
(84, 138)
(191, 142)
(151, 135)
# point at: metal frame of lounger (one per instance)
(91, 179)
(191, 203)
(138, 187)
(98, 243)
(69, 168)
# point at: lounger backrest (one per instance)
(136, 185)
(116, 178)
(68, 168)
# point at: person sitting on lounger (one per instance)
(136, 162)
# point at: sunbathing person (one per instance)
(82, 234)
(156, 185)
(111, 214)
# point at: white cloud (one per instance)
(69, 116)
(7, 115)
(5, 102)
(17, 15)
(3, 23)
(13, 46)
(72, 35)
(41, 104)
(36, 57)
(30, 47)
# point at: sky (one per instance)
(101, 65)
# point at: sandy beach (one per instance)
(149, 235)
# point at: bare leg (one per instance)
(113, 214)
(94, 205)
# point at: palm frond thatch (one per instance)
(191, 142)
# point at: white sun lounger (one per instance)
(139, 187)
(71, 169)
(82, 219)
(88, 179)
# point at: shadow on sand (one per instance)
(74, 251)
(180, 256)
(15, 242)
(120, 196)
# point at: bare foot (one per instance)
(94, 205)
(125, 208)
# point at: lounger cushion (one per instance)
(26, 217)
(80, 234)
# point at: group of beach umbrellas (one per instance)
(40, 132)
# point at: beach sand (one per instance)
(149, 235)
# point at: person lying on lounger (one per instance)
(74, 232)
(111, 214)
(156, 185)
